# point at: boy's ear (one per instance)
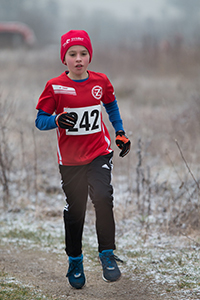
(64, 62)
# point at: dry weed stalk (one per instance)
(182, 186)
(35, 167)
(23, 180)
(138, 170)
(143, 184)
(6, 156)
(191, 173)
(184, 208)
(189, 238)
(4, 177)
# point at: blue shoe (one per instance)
(108, 260)
(75, 272)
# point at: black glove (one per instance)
(66, 120)
(123, 142)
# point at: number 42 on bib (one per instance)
(88, 120)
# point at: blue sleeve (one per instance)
(112, 110)
(45, 121)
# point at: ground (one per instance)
(46, 272)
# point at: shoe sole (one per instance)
(77, 288)
(106, 280)
(109, 281)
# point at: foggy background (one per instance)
(129, 23)
(150, 50)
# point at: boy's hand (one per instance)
(123, 142)
(66, 120)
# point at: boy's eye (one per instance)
(73, 54)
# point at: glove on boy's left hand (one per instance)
(123, 142)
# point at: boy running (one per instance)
(71, 103)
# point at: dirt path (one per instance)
(46, 272)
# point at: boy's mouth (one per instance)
(79, 66)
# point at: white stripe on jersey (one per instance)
(58, 149)
(59, 89)
(106, 139)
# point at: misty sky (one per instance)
(104, 19)
(124, 9)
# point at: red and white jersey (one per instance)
(89, 138)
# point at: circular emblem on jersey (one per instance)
(97, 92)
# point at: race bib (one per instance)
(88, 120)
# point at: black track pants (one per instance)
(77, 182)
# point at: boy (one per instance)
(84, 153)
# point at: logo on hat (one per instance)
(67, 42)
(75, 39)
(97, 92)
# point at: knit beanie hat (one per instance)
(75, 37)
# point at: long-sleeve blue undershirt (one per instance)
(112, 110)
(45, 121)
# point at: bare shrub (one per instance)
(6, 156)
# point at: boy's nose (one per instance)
(78, 57)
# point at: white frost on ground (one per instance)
(165, 259)
(147, 251)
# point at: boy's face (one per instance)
(77, 60)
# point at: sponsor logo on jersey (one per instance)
(59, 89)
(97, 92)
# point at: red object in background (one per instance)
(16, 33)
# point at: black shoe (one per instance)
(108, 260)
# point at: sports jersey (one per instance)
(89, 138)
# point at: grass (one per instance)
(173, 265)
(24, 234)
(13, 290)
(35, 237)
(176, 269)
